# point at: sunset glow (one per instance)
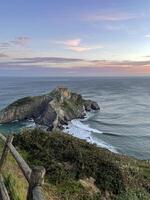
(75, 38)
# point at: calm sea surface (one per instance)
(122, 125)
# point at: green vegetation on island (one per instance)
(51, 110)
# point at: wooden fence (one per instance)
(34, 176)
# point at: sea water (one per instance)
(123, 123)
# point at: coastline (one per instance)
(125, 125)
(78, 129)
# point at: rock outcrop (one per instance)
(51, 110)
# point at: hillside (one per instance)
(79, 170)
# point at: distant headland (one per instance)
(51, 111)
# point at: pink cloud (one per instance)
(77, 46)
(79, 66)
(83, 48)
(73, 42)
(78, 63)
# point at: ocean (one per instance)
(123, 123)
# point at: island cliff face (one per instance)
(51, 110)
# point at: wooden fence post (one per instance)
(35, 177)
(5, 150)
(3, 191)
(35, 184)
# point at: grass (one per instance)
(21, 102)
(13, 178)
(68, 159)
(16, 183)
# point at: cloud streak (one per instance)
(73, 43)
(33, 70)
(52, 60)
(21, 41)
(2, 55)
(77, 46)
(111, 16)
(147, 36)
(77, 66)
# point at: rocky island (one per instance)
(52, 110)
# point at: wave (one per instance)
(123, 136)
(107, 146)
(80, 125)
(15, 121)
(113, 134)
(29, 123)
(83, 131)
(118, 124)
(109, 124)
(88, 115)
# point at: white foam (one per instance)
(80, 125)
(83, 131)
(29, 123)
(88, 115)
(106, 146)
(30, 120)
(15, 121)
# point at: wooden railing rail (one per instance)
(34, 176)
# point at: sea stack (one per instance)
(51, 110)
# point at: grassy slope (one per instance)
(15, 182)
(68, 159)
(17, 185)
(14, 179)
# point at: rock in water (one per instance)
(52, 110)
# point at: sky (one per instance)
(74, 38)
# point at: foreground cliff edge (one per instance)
(77, 170)
(52, 110)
